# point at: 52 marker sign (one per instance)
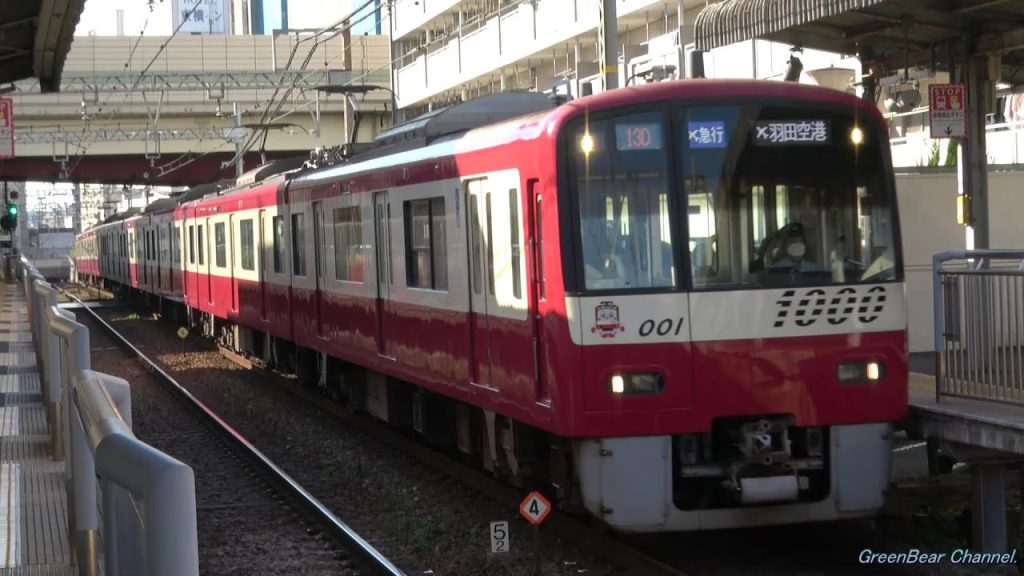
(499, 537)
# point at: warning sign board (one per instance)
(535, 507)
(6, 128)
(947, 110)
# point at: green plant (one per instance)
(951, 148)
(932, 159)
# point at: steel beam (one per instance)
(198, 81)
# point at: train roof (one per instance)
(161, 205)
(465, 116)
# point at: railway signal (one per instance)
(9, 221)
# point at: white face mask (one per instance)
(796, 250)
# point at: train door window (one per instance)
(490, 244)
(278, 244)
(426, 244)
(299, 244)
(539, 217)
(516, 247)
(248, 244)
(221, 245)
(478, 242)
(176, 245)
(191, 244)
(348, 239)
(201, 242)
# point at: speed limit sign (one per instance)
(499, 537)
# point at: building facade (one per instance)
(451, 50)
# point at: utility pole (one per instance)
(240, 165)
(608, 44)
(346, 63)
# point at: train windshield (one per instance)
(772, 196)
(780, 196)
(623, 193)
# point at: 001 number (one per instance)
(662, 327)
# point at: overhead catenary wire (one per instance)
(336, 29)
(184, 18)
(272, 107)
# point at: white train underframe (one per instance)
(747, 472)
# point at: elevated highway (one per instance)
(180, 110)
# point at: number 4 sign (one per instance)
(535, 508)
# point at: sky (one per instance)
(100, 17)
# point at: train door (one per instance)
(171, 245)
(318, 263)
(191, 281)
(263, 262)
(206, 267)
(481, 289)
(382, 232)
(231, 262)
(538, 305)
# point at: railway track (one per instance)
(252, 515)
(393, 472)
(586, 542)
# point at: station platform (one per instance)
(981, 424)
(33, 498)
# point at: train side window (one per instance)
(278, 244)
(220, 244)
(348, 239)
(426, 244)
(248, 244)
(191, 244)
(513, 211)
(299, 244)
(202, 242)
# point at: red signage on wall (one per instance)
(947, 110)
(6, 128)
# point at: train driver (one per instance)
(790, 255)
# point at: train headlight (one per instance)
(587, 143)
(636, 384)
(860, 372)
(856, 136)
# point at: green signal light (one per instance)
(12, 209)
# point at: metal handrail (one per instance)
(978, 355)
(90, 418)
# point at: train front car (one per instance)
(735, 293)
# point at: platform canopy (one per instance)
(35, 37)
(886, 33)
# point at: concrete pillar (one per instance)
(973, 166)
(608, 44)
(988, 508)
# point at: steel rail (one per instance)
(370, 555)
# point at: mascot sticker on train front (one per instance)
(606, 320)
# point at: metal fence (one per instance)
(147, 497)
(979, 324)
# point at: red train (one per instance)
(679, 305)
